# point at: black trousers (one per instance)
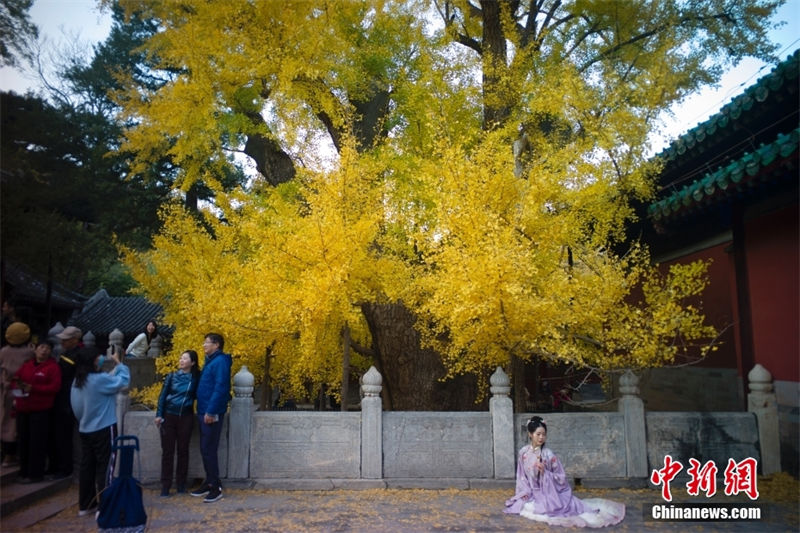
(60, 449)
(175, 430)
(97, 465)
(32, 432)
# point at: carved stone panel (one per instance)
(430, 445)
(312, 445)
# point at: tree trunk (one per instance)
(266, 389)
(192, 198)
(518, 383)
(345, 366)
(410, 372)
(496, 85)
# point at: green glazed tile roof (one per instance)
(736, 176)
(784, 73)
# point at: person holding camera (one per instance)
(93, 398)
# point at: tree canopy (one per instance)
(64, 197)
(474, 162)
(16, 31)
(64, 175)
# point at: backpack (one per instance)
(121, 504)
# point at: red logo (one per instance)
(739, 477)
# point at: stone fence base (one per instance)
(373, 449)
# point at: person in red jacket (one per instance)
(38, 381)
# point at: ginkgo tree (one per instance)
(511, 268)
(281, 271)
(449, 179)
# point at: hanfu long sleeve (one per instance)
(552, 494)
(524, 488)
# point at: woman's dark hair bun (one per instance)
(536, 422)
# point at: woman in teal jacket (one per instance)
(175, 419)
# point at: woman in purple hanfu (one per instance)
(543, 494)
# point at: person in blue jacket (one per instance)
(213, 395)
(175, 419)
(94, 401)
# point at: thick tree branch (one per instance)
(271, 160)
(726, 17)
(448, 14)
(366, 352)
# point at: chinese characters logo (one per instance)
(739, 477)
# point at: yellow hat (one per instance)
(18, 333)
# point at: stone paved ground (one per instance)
(385, 510)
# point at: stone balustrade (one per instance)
(318, 450)
(373, 446)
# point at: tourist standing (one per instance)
(94, 401)
(62, 420)
(12, 356)
(38, 379)
(213, 395)
(175, 419)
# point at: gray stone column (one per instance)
(89, 340)
(155, 347)
(239, 423)
(123, 405)
(763, 402)
(632, 408)
(371, 425)
(502, 411)
(123, 399)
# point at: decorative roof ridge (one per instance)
(732, 174)
(786, 70)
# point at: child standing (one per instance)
(175, 419)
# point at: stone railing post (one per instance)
(123, 405)
(117, 338)
(763, 402)
(155, 347)
(239, 424)
(502, 411)
(371, 425)
(89, 340)
(632, 408)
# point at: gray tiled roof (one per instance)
(30, 288)
(103, 313)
